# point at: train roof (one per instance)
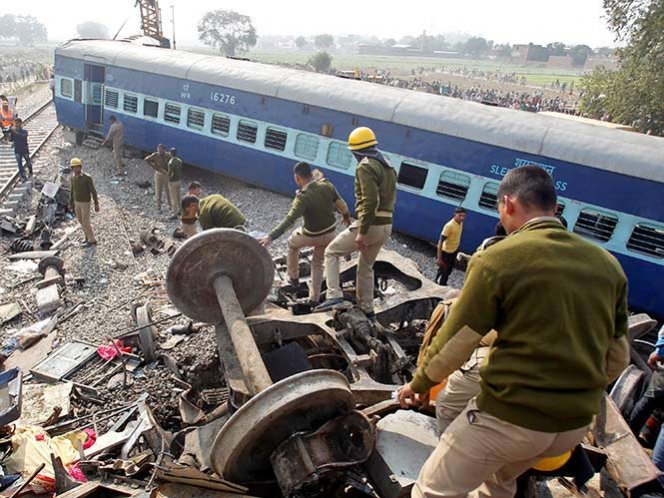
(614, 150)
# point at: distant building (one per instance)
(530, 53)
(404, 50)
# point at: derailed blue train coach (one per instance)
(253, 121)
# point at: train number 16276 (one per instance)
(222, 98)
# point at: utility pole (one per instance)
(173, 23)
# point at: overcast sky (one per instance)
(513, 21)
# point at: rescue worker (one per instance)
(559, 306)
(19, 136)
(375, 197)
(6, 117)
(82, 193)
(174, 177)
(187, 222)
(316, 201)
(448, 246)
(116, 137)
(159, 162)
(213, 211)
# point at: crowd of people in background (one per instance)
(15, 71)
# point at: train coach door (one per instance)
(94, 76)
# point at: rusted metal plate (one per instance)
(209, 254)
(241, 452)
(628, 463)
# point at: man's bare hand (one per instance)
(654, 358)
(265, 241)
(96, 208)
(361, 242)
(405, 394)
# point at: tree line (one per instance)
(26, 30)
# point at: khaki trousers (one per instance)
(82, 211)
(482, 454)
(462, 386)
(297, 241)
(160, 187)
(189, 229)
(175, 196)
(117, 158)
(344, 244)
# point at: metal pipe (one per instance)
(249, 357)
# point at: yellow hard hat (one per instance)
(552, 463)
(361, 138)
(76, 162)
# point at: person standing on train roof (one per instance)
(159, 162)
(448, 245)
(559, 306)
(375, 197)
(174, 177)
(82, 192)
(316, 201)
(115, 136)
(213, 211)
(19, 136)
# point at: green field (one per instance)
(346, 62)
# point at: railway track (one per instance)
(40, 124)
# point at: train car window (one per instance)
(195, 119)
(247, 132)
(78, 91)
(130, 103)
(275, 139)
(306, 146)
(489, 196)
(111, 99)
(595, 224)
(66, 88)
(151, 108)
(220, 125)
(647, 238)
(171, 113)
(453, 185)
(412, 176)
(560, 208)
(339, 156)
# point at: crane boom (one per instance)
(151, 21)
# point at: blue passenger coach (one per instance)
(253, 121)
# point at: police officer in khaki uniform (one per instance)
(159, 162)
(317, 201)
(82, 193)
(375, 197)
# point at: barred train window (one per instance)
(66, 88)
(150, 108)
(489, 196)
(453, 185)
(130, 103)
(195, 119)
(306, 146)
(647, 238)
(412, 176)
(339, 156)
(111, 99)
(247, 132)
(560, 208)
(275, 139)
(595, 224)
(96, 94)
(172, 113)
(220, 125)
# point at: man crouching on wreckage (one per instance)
(559, 306)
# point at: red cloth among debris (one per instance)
(108, 352)
(92, 437)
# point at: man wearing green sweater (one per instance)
(213, 211)
(559, 306)
(83, 192)
(317, 201)
(375, 197)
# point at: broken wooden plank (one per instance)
(628, 463)
(32, 255)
